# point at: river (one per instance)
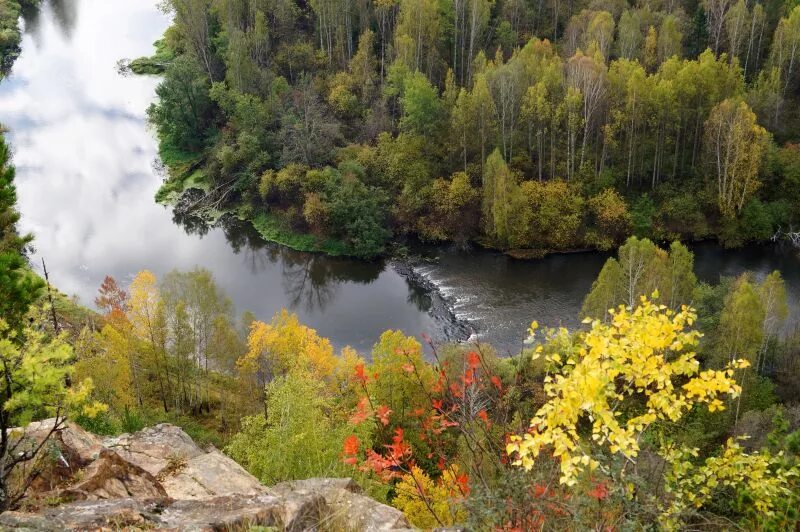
(87, 172)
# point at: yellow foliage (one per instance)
(285, 344)
(104, 357)
(428, 504)
(346, 364)
(767, 482)
(143, 305)
(403, 374)
(641, 355)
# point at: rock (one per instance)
(220, 513)
(71, 447)
(86, 515)
(346, 502)
(111, 477)
(158, 478)
(155, 448)
(209, 475)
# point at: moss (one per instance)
(184, 172)
(274, 229)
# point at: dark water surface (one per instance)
(87, 172)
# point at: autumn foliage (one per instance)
(577, 432)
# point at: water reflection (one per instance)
(86, 183)
(65, 15)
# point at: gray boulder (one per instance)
(349, 508)
(154, 449)
(220, 513)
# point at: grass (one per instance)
(183, 170)
(156, 64)
(201, 428)
(272, 228)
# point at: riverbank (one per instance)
(190, 196)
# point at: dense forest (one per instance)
(345, 125)
(652, 415)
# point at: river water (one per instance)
(87, 172)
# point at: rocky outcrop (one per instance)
(220, 513)
(111, 477)
(155, 449)
(159, 479)
(184, 469)
(72, 447)
(200, 478)
(347, 504)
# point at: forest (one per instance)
(676, 409)
(354, 127)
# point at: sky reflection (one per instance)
(86, 167)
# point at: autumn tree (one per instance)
(642, 268)
(643, 357)
(735, 146)
(275, 348)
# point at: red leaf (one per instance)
(398, 449)
(360, 376)
(383, 412)
(462, 481)
(350, 449)
(469, 377)
(361, 412)
(599, 491)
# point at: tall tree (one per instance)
(735, 147)
(18, 287)
(499, 190)
(193, 18)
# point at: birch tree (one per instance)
(735, 146)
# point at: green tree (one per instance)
(183, 112)
(641, 269)
(34, 371)
(18, 286)
(301, 436)
(499, 191)
(357, 216)
(422, 108)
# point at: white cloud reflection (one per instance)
(86, 182)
